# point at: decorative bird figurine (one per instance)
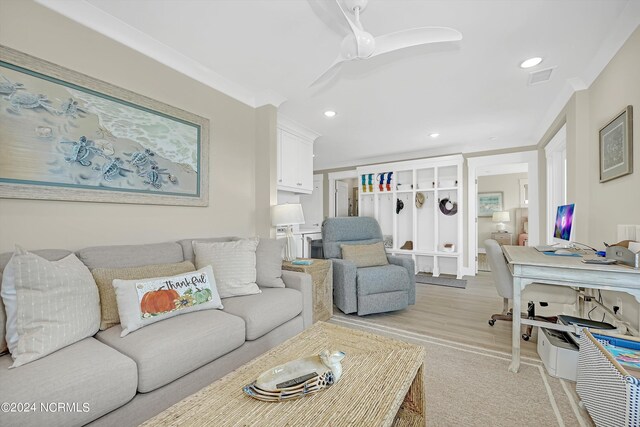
(297, 378)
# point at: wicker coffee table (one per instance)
(381, 385)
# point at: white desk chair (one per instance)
(535, 292)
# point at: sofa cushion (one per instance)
(265, 311)
(104, 279)
(269, 263)
(147, 301)
(167, 350)
(130, 255)
(386, 278)
(85, 372)
(187, 246)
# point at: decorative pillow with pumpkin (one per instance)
(143, 302)
(104, 278)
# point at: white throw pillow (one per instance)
(57, 305)
(3, 329)
(234, 265)
(147, 301)
(10, 302)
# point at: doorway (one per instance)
(502, 209)
(515, 200)
(343, 194)
(342, 199)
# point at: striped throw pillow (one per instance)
(58, 305)
(234, 265)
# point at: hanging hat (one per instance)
(448, 207)
(399, 205)
(419, 200)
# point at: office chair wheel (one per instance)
(492, 322)
(526, 337)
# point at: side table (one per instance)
(503, 238)
(321, 272)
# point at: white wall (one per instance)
(509, 184)
(72, 225)
(600, 207)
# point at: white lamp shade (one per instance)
(501, 217)
(288, 214)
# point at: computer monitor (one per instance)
(564, 223)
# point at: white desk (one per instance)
(527, 266)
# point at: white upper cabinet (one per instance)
(295, 157)
(305, 170)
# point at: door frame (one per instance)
(333, 177)
(478, 166)
(346, 189)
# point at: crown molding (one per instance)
(441, 150)
(108, 25)
(297, 128)
(268, 97)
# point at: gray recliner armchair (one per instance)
(366, 290)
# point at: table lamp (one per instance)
(501, 218)
(286, 216)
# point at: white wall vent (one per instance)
(542, 76)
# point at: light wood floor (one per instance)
(459, 315)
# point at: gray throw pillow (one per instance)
(269, 263)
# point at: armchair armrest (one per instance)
(301, 282)
(410, 265)
(345, 295)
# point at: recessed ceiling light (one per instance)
(493, 138)
(434, 135)
(531, 62)
(330, 113)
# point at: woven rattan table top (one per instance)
(378, 373)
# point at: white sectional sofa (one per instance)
(108, 380)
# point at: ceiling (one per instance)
(471, 92)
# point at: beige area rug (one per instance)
(470, 386)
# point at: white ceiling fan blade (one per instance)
(414, 37)
(330, 72)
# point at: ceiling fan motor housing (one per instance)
(359, 47)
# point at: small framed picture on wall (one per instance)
(488, 203)
(616, 146)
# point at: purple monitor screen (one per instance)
(564, 222)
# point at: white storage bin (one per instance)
(606, 389)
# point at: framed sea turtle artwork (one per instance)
(67, 136)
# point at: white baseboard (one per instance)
(468, 271)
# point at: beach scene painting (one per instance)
(488, 203)
(63, 140)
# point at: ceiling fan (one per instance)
(362, 45)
